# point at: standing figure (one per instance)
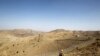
(61, 53)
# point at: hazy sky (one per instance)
(50, 14)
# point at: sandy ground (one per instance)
(49, 43)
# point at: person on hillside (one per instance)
(61, 53)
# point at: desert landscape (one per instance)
(49, 27)
(26, 42)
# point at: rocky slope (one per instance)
(35, 43)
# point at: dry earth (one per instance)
(22, 42)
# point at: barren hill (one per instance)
(37, 43)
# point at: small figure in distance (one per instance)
(61, 53)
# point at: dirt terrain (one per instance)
(22, 42)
